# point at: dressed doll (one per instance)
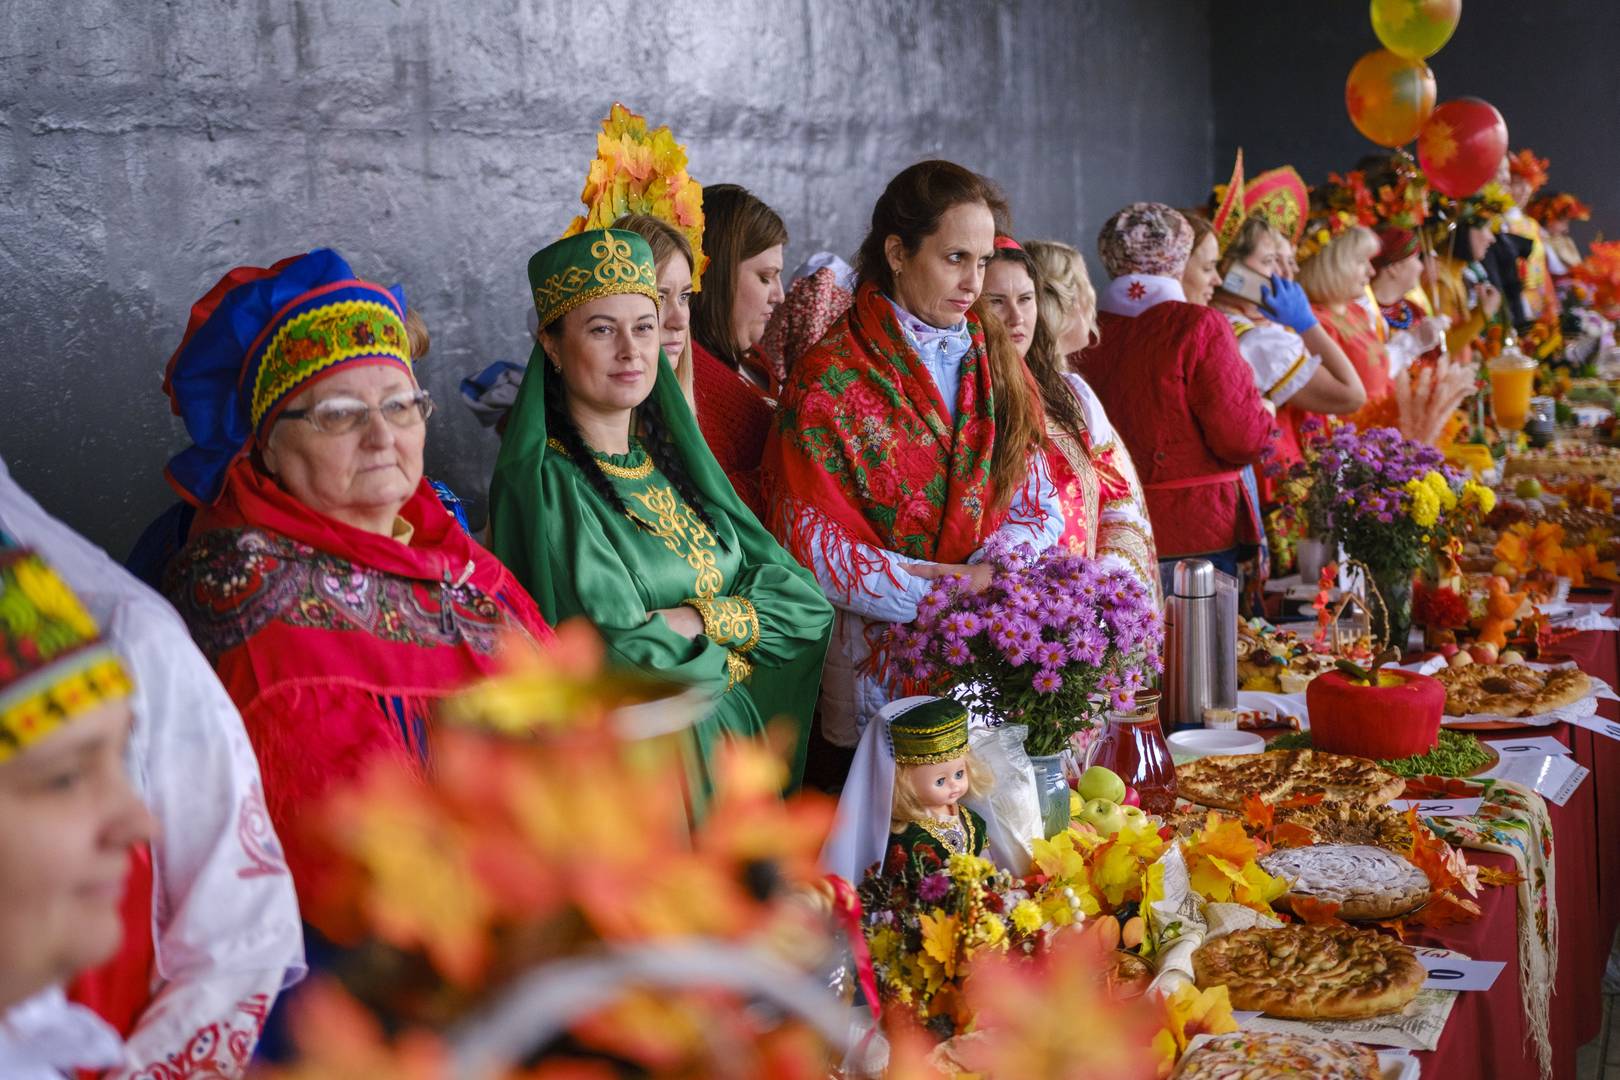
(905, 792)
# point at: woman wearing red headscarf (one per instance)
(907, 438)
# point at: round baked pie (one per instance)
(1311, 972)
(1510, 689)
(1250, 1055)
(1366, 882)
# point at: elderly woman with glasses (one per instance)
(334, 594)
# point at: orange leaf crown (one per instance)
(1558, 206)
(1527, 167)
(642, 171)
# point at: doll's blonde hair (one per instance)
(904, 807)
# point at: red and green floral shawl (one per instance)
(865, 449)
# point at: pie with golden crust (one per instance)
(1275, 776)
(1311, 971)
(1255, 1055)
(1510, 689)
(1347, 823)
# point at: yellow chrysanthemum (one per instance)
(1442, 490)
(1425, 504)
(1479, 495)
(1026, 916)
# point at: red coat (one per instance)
(735, 416)
(1182, 397)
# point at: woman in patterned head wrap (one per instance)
(1170, 376)
(336, 597)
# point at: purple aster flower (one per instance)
(1047, 681)
(934, 887)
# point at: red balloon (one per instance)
(1461, 146)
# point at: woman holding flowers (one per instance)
(607, 503)
(907, 437)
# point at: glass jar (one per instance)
(1133, 746)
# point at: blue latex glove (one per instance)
(1285, 302)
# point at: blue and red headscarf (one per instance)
(257, 338)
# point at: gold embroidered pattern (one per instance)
(622, 472)
(731, 621)
(615, 265)
(684, 533)
(956, 836)
(737, 669)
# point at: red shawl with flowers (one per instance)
(334, 642)
(864, 447)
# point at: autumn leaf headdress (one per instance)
(642, 171)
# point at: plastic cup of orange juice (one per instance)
(1513, 377)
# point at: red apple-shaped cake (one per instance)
(1391, 714)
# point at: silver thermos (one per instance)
(1200, 644)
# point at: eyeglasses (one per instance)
(344, 416)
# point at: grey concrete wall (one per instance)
(147, 147)
(1548, 66)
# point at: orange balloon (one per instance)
(1389, 97)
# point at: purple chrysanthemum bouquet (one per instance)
(1053, 641)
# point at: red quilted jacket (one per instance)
(1183, 399)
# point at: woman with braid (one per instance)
(607, 503)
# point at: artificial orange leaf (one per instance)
(1435, 857)
(1394, 926)
(1494, 875)
(1445, 909)
(1298, 801)
(1258, 814)
(1291, 834)
(1311, 910)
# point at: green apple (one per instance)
(1104, 816)
(1528, 487)
(1133, 815)
(1100, 783)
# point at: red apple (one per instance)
(1131, 797)
(1448, 649)
(1483, 652)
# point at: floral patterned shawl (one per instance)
(864, 444)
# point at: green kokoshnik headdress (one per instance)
(932, 732)
(580, 268)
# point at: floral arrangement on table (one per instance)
(928, 923)
(1051, 642)
(1393, 504)
(549, 849)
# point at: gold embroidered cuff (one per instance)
(737, 668)
(731, 621)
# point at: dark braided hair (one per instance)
(649, 419)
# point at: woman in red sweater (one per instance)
(741, 287)
(1172, 380)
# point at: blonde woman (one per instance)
(1067, 301)
(1295, 362)
(672, 256)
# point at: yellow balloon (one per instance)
(1415, 29)
(1388, 97)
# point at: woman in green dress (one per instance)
(607, 503)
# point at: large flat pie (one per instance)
(1510, 689)
(1259, 1055)
(1311, 972)
(1348, 823)
(1366, 882)
(1278, 775)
